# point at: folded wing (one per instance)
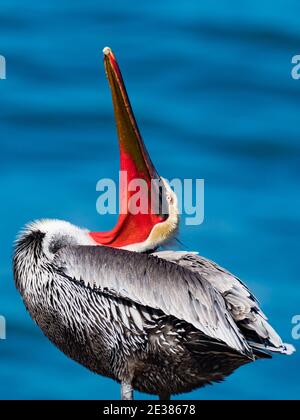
(239, 301)
(155, 283)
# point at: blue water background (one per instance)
(211, 87)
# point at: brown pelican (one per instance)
(161, 322)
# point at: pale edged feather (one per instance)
(240, 302)
(155, 283)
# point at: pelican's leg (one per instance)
(165, 397)
(126, 391)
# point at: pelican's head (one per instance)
(37, 244)
(138, 232)
(43, 238)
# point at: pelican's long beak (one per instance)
(135, 163)
(134, 156)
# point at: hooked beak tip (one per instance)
(109, 55)
(107, 51)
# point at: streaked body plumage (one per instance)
(122, 314)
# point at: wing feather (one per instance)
(155, 283)
(240, 302)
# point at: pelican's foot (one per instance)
(126, 391)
